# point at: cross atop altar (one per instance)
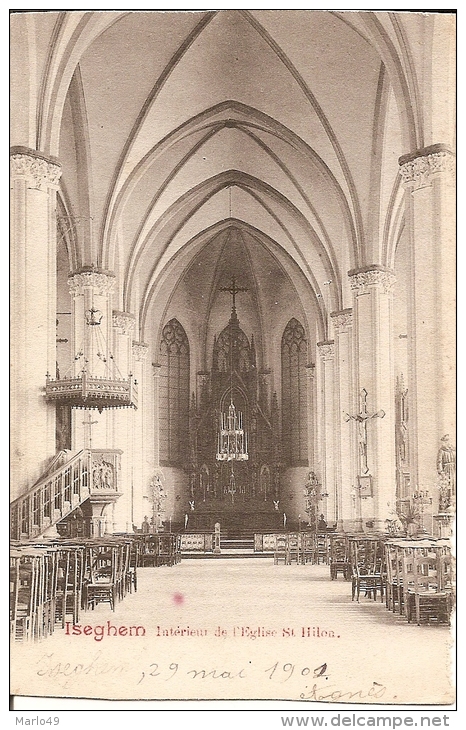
(233, 290)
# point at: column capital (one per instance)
(90, 277)
(417, 168)
(124, 321)
(41, 171)
(342, 319)
(326, 349)
(374, 275)
(140, 350)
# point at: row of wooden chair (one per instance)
(52, 581)
(420, 580)
(301, 548)
(157, 549)
(110, 570)
(414, 577)
(45, 587)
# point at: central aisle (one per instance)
(242, 629)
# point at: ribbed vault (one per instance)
(289, 123)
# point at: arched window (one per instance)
(174, 394)
(294, 394)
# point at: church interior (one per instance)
(233, 305)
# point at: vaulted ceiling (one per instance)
(269, 139)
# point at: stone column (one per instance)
(372, 420)
(156, 373)
(344, 388)
(311, 415)
(122, 420)
(428, 178)
(34, 182)
(92, 289)
(327, 430)
(140, 437)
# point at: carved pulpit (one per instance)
(103, 487)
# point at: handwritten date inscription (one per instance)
(318, 688)
(308, 682)
(286, 670)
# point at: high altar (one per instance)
(234, 440)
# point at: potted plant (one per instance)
(410, 518)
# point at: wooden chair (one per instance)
(322, 547)
(308, 547)
(101, 586)
(427, 601)
(166, 549)
(131, 574)
(63, 583)
(14, 589)
(338, 557)
(123, 556)
(407, 568)
(48, 594)
(366, 565)
(70, 590)
(394, 578)
(293, 548)
(25, 577)
(77, 580)
(280, 553)
(149, 550)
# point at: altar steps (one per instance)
(224, 555)
(245, 543)
(230, 548)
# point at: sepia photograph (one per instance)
(233, 356)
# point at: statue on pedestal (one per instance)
(157, 497)
(446, 469)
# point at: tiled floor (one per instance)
(241, 629)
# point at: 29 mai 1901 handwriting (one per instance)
(311, 682)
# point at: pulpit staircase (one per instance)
(66, 484)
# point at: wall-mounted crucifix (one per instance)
(88, 430)
(362, 418)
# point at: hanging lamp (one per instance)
(86, 389)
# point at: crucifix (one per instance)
(362, 417)
(234, 290)
(88, 429)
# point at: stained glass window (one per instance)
(294, 394)
(174, 393)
